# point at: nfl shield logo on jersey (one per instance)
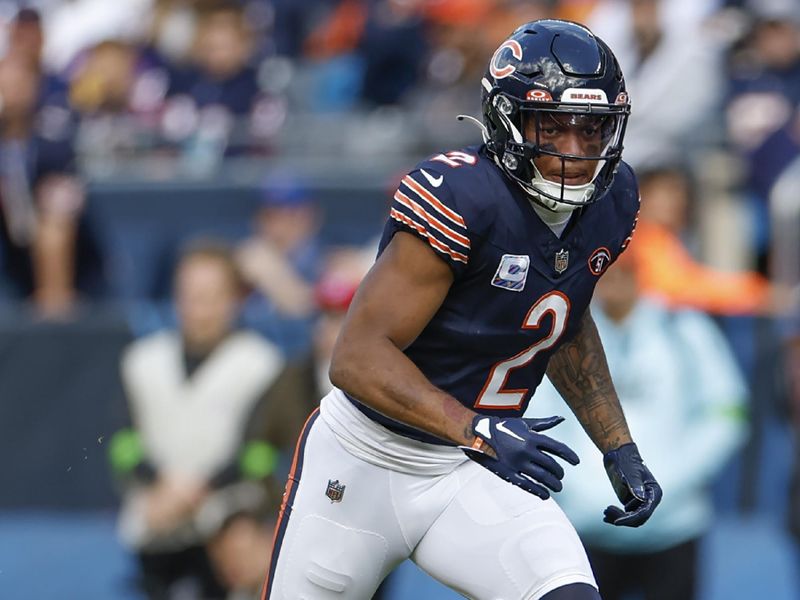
(335, 490)
(562, 261)
(512, 272)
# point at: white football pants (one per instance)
(472, 531)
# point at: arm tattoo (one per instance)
(579, 372)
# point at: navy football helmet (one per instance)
(558, 72)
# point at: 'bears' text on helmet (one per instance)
(550, 74)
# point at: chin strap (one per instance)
(547, 193)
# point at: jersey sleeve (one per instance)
(425, 205)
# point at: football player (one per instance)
(481, 287)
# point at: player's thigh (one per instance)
(497, 542)
(337, 537)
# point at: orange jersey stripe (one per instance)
(434, 201)
(431, 220)
(398, 216)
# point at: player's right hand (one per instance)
(522, 454)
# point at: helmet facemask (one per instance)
(533, 133)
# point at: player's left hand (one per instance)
(634, 485)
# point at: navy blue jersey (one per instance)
(519, 290)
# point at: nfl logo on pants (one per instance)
(335, 490)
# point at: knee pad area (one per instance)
(329, 560)
(536, 555)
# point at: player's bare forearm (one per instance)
(397, 298)
(579, 372)
(377, 373)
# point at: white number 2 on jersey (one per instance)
(455, 159)
(493, 395)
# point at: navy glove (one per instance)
(523, 454)
(634, 485)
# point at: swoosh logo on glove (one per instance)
(501, 426)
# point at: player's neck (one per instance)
(556, 221)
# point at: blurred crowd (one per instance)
(188, 87)
(192, 85)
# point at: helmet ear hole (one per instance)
(503, 104)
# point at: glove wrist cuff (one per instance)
(479, 444)
(481, 441)
(627, 448)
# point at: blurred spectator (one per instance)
(368, 51)
(42, 198)
(240, 551)
(305, 380)
(103, 78)
(673, 70)
(281, 262)
(26, 37)
(221, 53)
(684, 398)
(172, 31)
(393, 47)
(291, 22)
(762, 111)
(667, 268)
(192, 396)
(119, 95)
(331, 50)
(216, 105)
(26, 42)
(79, 24)
(338, 31)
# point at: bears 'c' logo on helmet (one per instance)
(599, 261)
(516, 52)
